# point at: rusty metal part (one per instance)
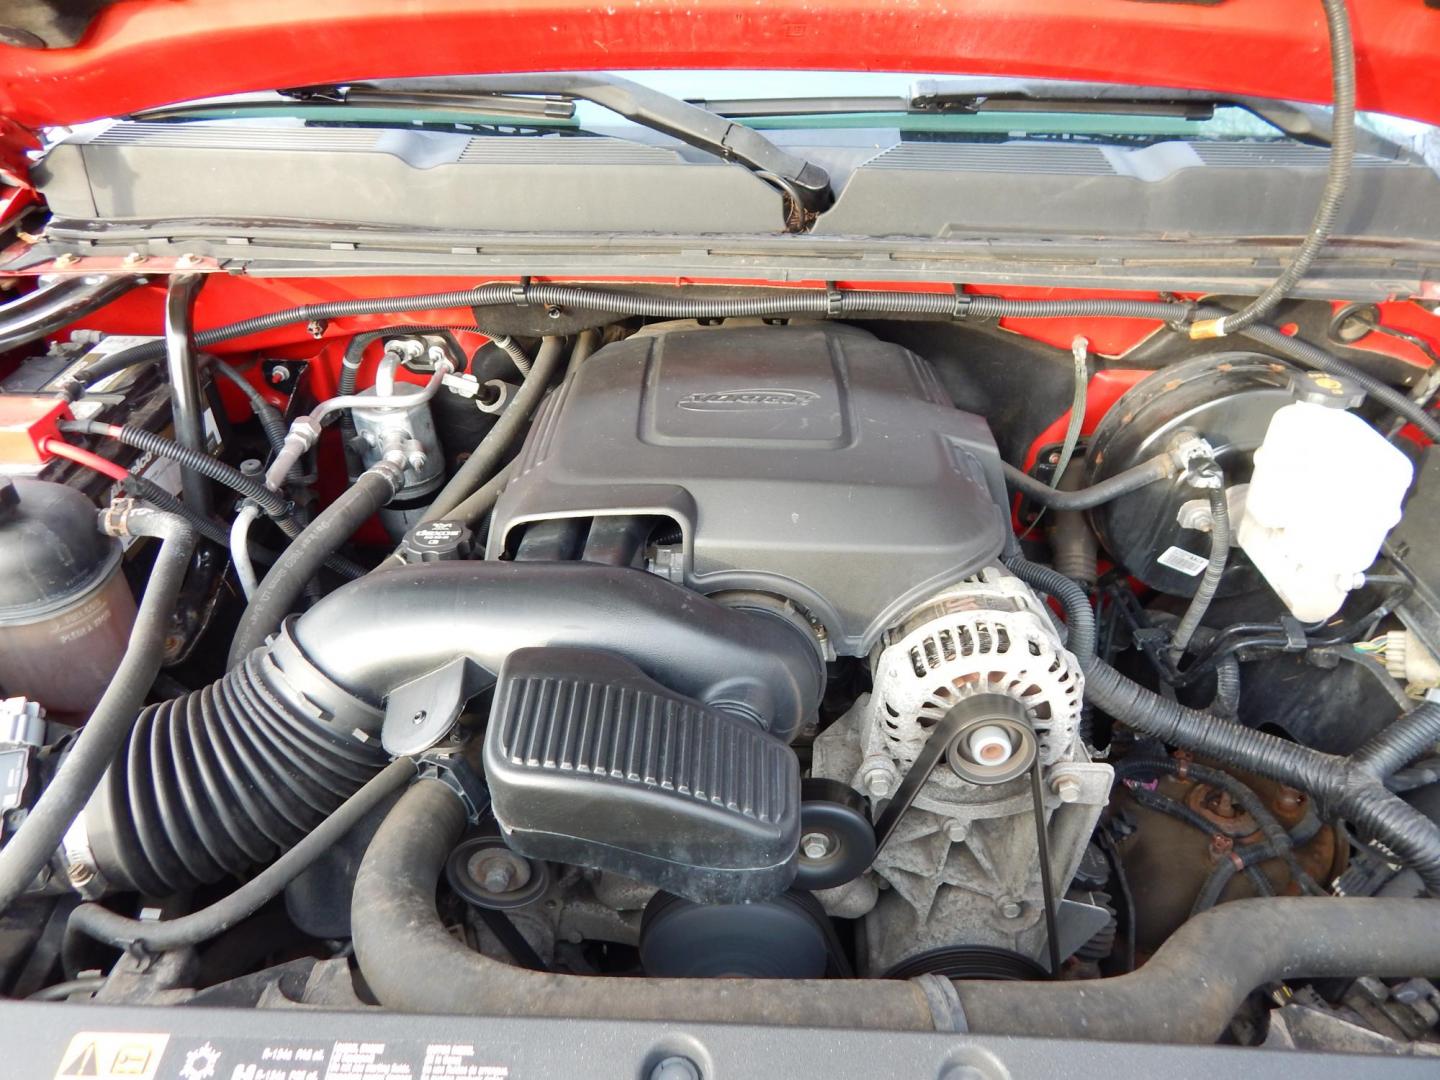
(1167, 860)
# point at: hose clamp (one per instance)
(947, 1012)
(79, 862)
(448, 765)
(834, 301)
(1194, 460)
(961, 310)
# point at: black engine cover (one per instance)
(812, 462)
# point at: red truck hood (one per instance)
(139, 53)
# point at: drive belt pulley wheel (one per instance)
(837, 841)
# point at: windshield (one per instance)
(984, 109)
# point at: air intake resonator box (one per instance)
(814, 462)
(591, 762)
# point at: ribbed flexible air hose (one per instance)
(226, 778)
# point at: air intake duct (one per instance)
(226, 778)
(230, 776)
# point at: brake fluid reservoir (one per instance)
(65, 608)
(1326, 490)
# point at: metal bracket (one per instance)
(421, 712)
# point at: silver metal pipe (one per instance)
(186, 402)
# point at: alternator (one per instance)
(960, 861)
(986, 635)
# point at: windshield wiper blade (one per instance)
(1018, 95)
(805, 182)
(518, 106)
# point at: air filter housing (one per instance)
(592, 763)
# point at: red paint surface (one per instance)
(1105, 388)
(1407, 317)
(141, 53)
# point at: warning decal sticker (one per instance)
(123, 1055)
(112, 1055)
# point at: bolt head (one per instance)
(189, 259)
(1067, 788)
(497, 871)
(68, 259)
(816, 845)
(878, 783)
(1010, 908)
(498, 878)
(133, 259)
(956, 830)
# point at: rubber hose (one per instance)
(1071, 539)
(1226, 702)
(1350, 789)
(481, 464)
(268, 416)
(140, 439)
(476, 506)
(411, 962)
(1214, 571)
(147, 491)
(54, 306)
(1337, 180)
(106, 926)
(283, 584)
(229, 776)
(27, 852)
(90, 984)
(1187, 992)
(1147, 472)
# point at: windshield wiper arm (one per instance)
(807, 183)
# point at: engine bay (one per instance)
(787, 656)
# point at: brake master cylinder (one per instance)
(1326, 490)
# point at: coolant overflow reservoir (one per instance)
(1327, 488)
(65, 609)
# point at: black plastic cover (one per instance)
(814, 462)
(592, 763)
(1412, 550)
(51, 549)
